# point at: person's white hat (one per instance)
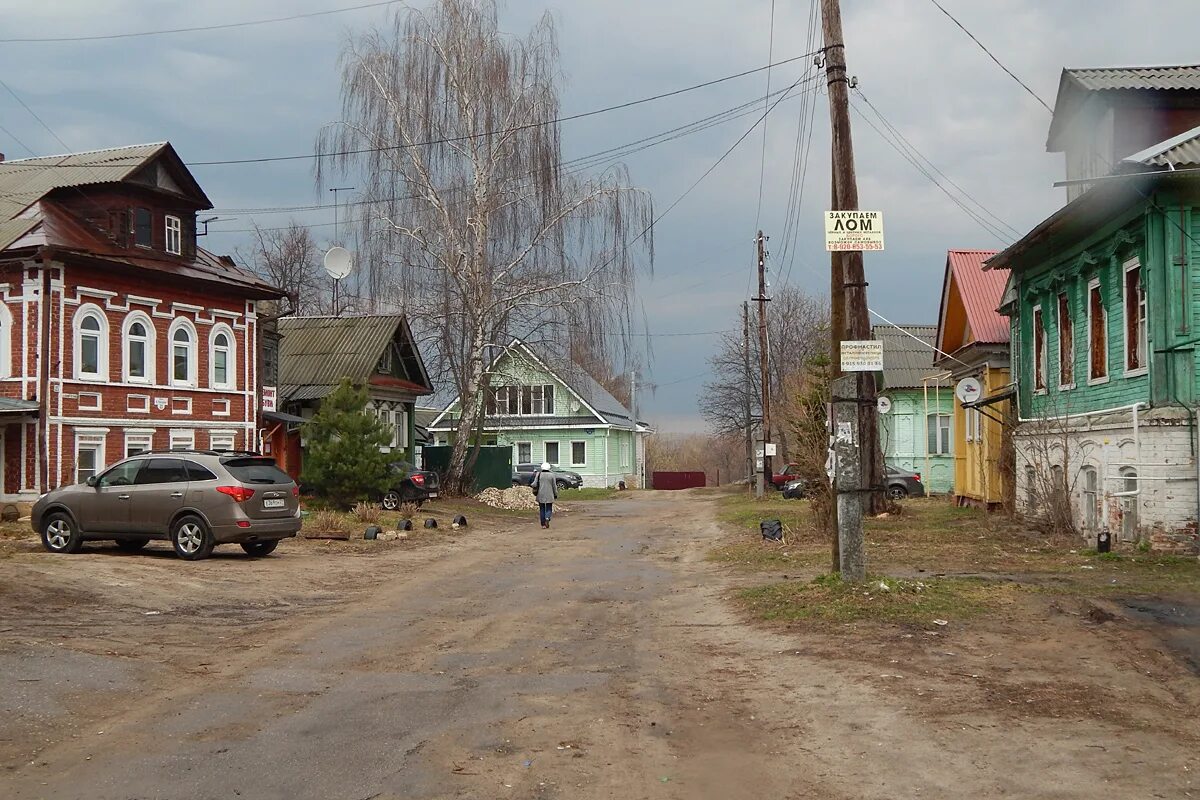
(545, 466)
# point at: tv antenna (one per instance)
(338, 264)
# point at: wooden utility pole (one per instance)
(848, 265)
(749, 388)
(763, 358)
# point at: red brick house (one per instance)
(117, 332)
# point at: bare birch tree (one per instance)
(475, 228)
(289, 258)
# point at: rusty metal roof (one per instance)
(317, 353)
(908, 361)
(981, 293)
(25, 181)
(1178, 151)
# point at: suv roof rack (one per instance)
(178, 452)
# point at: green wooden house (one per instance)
(915, 429)
(1104, 301)
(559, 414)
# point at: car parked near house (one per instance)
(902, 483)
(197, 499)
(790, 473)
(799, 488)
(412, 485)
(523, 476)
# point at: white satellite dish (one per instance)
(338, 262)
(968, 390)
(884, 404)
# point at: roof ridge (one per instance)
(1131, 67)
(83, 152)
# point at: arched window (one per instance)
(91, 343)
(1091, 499)
(183, 353)
(221, 359)
(138, 349)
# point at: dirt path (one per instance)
(598, 659)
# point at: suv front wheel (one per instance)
(60, 534)
(191, 538)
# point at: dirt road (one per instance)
(597, 659)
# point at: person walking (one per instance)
(546, 489)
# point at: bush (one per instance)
(343, 462)
(326, 522)
(367, 513)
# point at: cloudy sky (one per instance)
(265, 90)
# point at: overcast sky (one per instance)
(265, 90)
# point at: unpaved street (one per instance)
(598, 659)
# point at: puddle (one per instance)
(1178, 624)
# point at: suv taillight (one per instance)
(918, 477)
(295, 491)
(418, 479)
(240, 494)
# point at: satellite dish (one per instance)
(884, 404)
(338, 262)
(968, 390)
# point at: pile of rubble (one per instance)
(516, 498)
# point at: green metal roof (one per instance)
(907, 361)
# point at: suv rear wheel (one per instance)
(60, 534)
(897, 492)
(191, 538)
(260, 549)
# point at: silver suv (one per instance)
(195, 498)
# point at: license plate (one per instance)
(433, 495)
(274, 503)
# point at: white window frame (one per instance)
(184, 324)
(230, 381)
(546, 453)
(1040, 373)
(90, 401)
(141, 439)
(6, 324)
(217, 438)
(933, 423)
(1094, 283)
(1089, 481)
(1070, 335)
(518, 446)
(90, 439)
(624, 453)
(148, 343)
(1143, 339)
(173, 228)
(137, 404)
(182, 439)
(91, 311)
(582, 463)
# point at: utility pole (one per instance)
(764, 361)
(637, 464)
(750, 470)
(848, 271)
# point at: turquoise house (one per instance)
(558, 414)
(915, 429)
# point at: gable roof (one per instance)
(980, 293)
(1075, 85)
(316, 353)
(1178, 151)
(908, 361)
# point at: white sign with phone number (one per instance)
(853, 230)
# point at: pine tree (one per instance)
(343, 462)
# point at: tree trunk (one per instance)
(469, 406)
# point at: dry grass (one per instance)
(367, 513)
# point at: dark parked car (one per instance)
(412, 486)
(798, 488)
(195, 498)
(902, 483)
(523, 476)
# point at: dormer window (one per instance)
(142, 227)
(174, 235)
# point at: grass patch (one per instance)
(891, 600)
(586, 493)
(745, 511)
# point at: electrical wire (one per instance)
(762, 164)
(13, 136)
(221, 26)
(992, 57)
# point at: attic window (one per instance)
(142, 233)
(385, 363)
(537, 400)
(173, 235)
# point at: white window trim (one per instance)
(144, 408)
(168, 230)
(229, 435)
(185, 408)
(150, 341)
(97, 403)
(1094, 283)
(191, 381)
(517, 447)
(575, 463)
(138, 437)
(230, 358)
(1131, 264)
(179, 436)
(6, 324)
(1040, 370)
(224, 412)
(83, 312)
(1064, 387)
(91, 439)
(546, 456)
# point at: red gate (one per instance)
(678, 480)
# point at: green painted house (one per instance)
(1104, 302)
(915, 429)
(559, 414)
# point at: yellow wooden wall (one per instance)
(977, 474)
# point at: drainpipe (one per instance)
(44, 382)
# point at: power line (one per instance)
(992, 57)
(527, 126)
(223, 26)
(762, 164)
(33, 114)
(13, 136)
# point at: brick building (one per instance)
(117, 332)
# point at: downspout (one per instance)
(44, 382)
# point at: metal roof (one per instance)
(981, 293)
(317, 353)
(1098, 79)
(907, 362)
(13, 229)
(1178, 151)
(9, 405)
(25, 181)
